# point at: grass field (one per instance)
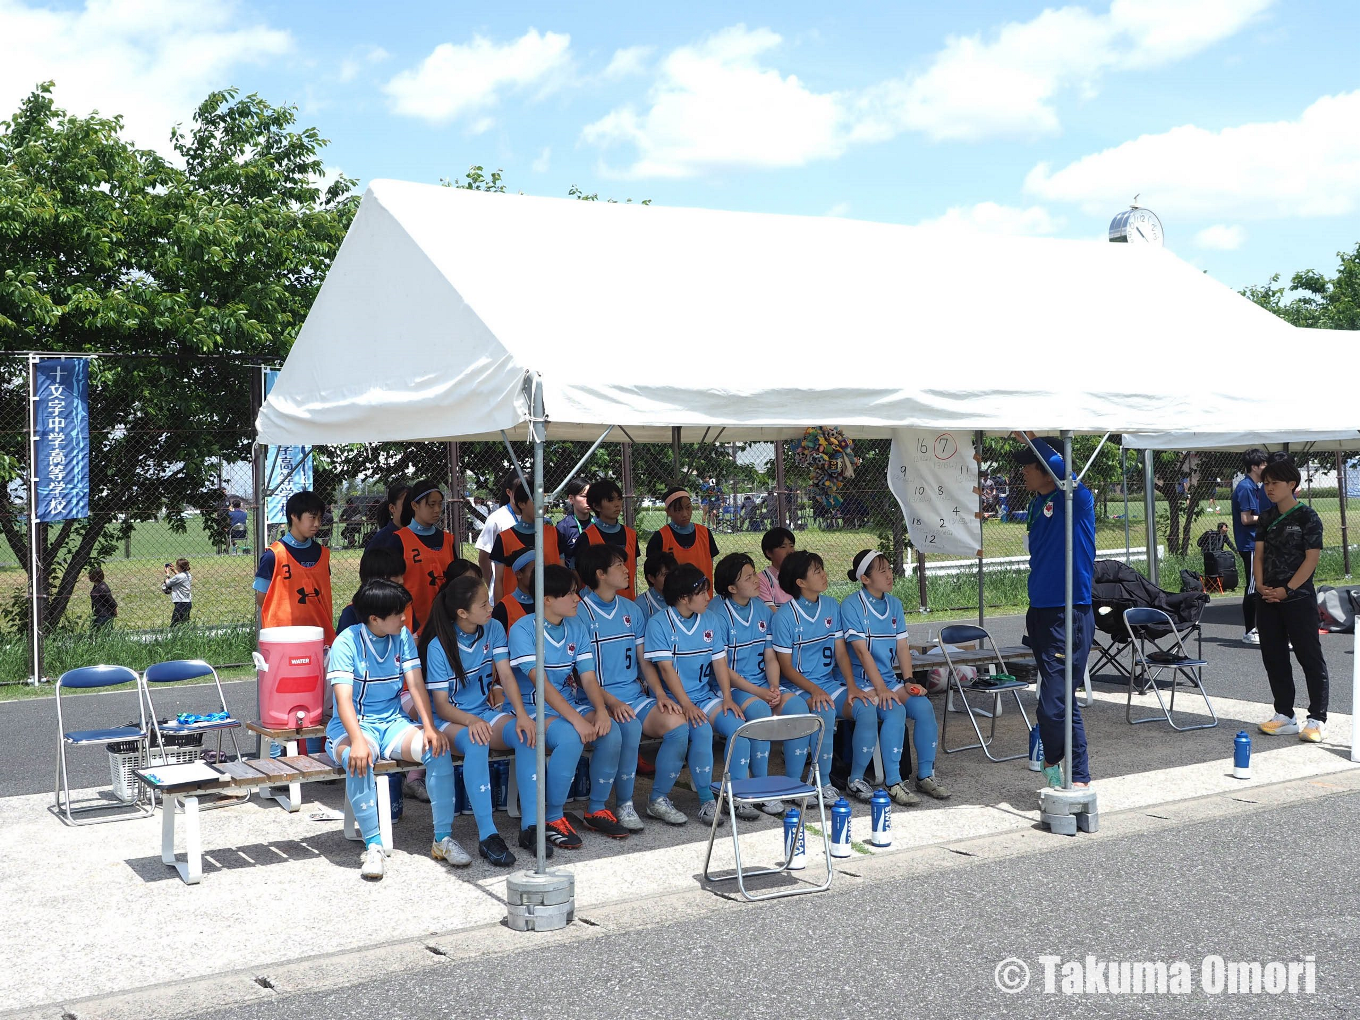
(221, 628)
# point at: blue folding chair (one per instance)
(762, 788)
(92, 678)
(177, 671)
(1149, 663)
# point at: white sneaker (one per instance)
(860, 789)
(1313, 730)
(708, 810)
(772, 807)
(415, 788)
(661, 807)
(448, 851)
(628, 817)
(1251, 637)
(372, 862)
(1279, 725)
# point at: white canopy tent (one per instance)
(455, 314)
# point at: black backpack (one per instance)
(1221, 564)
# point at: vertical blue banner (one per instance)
(62, 424)
(287, 469)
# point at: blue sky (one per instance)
(1238, 121)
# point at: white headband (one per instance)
(865, 563)
(676, 495)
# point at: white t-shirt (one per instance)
(500, 519)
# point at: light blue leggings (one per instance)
(613, 763)
(748, 756)
(563, 749)
(362, 791)
(892, 739)
(477, 784)
(699, 742)
(796, 752)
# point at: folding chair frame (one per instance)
(1149, 670)
(188, 669)
(86, 678)
(963, 634)
(755, 729)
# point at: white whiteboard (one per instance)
(934, 476)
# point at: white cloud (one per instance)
(544, 161)
(713, 104)
(627, 62)
(991, 218)
(718, 102)
(1007, 84)
(456, 81)
(1304, 167)
(153, 61)
(1221, 237)
(369, 55)
(839, 209)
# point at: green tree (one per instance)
(1316, 302)
(183, 277)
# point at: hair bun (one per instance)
(851, 574)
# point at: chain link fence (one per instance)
(167, 473)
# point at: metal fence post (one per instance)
(921, 581)
(457, 511)
(37, 586)
(781, 516)
(1341, 499)
(626, 471)
(675, 454)
(1150, 513)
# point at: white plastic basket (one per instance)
(126, 755)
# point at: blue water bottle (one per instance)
(460, 798)
(394, 794)
(1036, 749)
(793, 832)
(1242, 755)
(880, 819)
(840, 828)
(500, 784)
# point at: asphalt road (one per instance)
(1272, 885)
(26, 760)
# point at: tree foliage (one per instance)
(182, 277)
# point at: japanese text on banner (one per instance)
(288, 469)
(62, 431)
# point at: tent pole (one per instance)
(1069, 486)
(1124, 484)
(540, 699)
(1150, 514)
(1341, 493)
(977, 457)
(257, 458)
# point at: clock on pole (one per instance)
(1136, 225)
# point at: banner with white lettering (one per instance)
(62, 420)
(934, 476)
(288, 469)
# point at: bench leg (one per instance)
(512, 794)
(350, 826)
(191, 868)
(385, 813)
(290, 797)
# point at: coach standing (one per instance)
(1048, 596)
(1248, 500)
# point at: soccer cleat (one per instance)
(930, 788)
(773, 807)
(561, 835)
(448, 851)
(708, 810)
(1313, 730)
(415, 788)
(747, 812)
(644, 768)
(860, 789)
(830, 794)
(372, 862)
(661, 807)
(903, 795)
(528, 840)
(605, 823)
(493, 848)
(1279, 725)
(628, 817)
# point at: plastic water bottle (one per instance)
(1036, 749)
(460, 797)
(880, 819)
(840, 828)
(792, 831)
(1242, 755)
(394, 795)
(500, 784)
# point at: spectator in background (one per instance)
(1246, 511)
(103, 607)
(236, 525)
(501, 519)
(569, 528)
(178, 585)
(1289, 544)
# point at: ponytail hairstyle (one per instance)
(395, 492)
(442, 626)
(419, 490)
(854, 565)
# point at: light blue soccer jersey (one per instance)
(881, 623)
(808, 632)
(375, 667)
(616, 636)
(650, 603)
(566, 653)
(480, 651)
(691, 646)
(746, 633)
